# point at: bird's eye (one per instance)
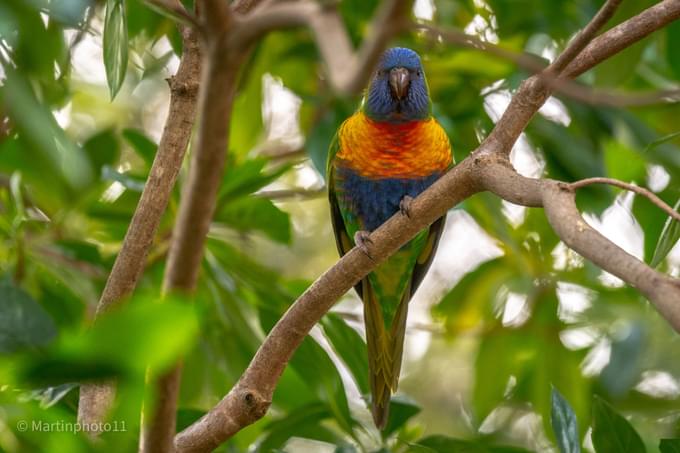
(418, 73)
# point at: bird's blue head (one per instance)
(398, 90)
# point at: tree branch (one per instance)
(584, 37)
(558, 199)
(251, 396)
(295, 193)
(651, 196)
(175, 9)
(244, 6)
(661, 290)
(96, 399)
(347, 70)
(534, 91)
(534, 64)
(221, 63)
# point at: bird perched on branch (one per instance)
(383, 156)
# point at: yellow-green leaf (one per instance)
(115, 45)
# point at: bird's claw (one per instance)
(405, 205)
(362, 239)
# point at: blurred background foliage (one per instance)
(514, 342)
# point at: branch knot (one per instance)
(255, 404)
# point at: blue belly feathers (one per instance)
(373, 201)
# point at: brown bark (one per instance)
(96, 398)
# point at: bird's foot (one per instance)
(405, 206)
(363, 240)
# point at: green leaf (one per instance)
(316, 368)
(672, 54)
(668, 238)
(350, 347)
(301, 422)
(245, 178)
(402, 409)
(259, 214)
(345, 448)
(23, 322)
(611, 432)
(155, 335)
(128, 181)
(115, 45)
(48, 397)
(103, 149)
(496, 362)
(661, 141)
(621, 67)
(623, 163)
(186, 417)
(143, 145)
(444, 444)
(669, 446)
(47, 141)
(467, 304)
(564, 424)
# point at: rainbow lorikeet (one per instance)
(388, 152)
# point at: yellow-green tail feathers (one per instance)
(385, 349)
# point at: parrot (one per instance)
(389, 151)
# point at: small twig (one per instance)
(304, 194)
(584, 37)
(651, 196)
(176, 10)
(589, 96)
(244, 6)
(534, 64)
(80, 34)
(81, 266)
(277, 154)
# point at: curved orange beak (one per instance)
(399, 82)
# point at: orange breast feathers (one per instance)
(386, 150)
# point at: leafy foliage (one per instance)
(612, 432)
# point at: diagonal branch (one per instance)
(250, 398)
(584, 37)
